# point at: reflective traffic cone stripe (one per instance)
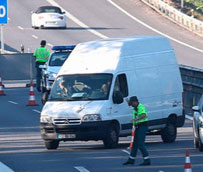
(188, 167)
(32, 101)
(1, 87)
(132, 137)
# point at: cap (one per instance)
(132, 99)
(43, 43)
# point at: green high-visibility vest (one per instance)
(41, 54)
(137, 113)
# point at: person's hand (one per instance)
(127, 100)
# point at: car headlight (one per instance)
(201, 121)
(91, 117)
(52, 75)
(45, 119)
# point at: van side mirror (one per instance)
(117, 97)
(195, 108)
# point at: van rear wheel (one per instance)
(169, 133)
(51, 144)
(111, 139)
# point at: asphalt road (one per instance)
(22, 149)
(98, 19)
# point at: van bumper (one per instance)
(83, 132)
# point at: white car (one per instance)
(198, 125)
(48, 17)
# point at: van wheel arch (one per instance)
(112, 135)
(169, 133)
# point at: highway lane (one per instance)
(21, 146)
(19, 30)
(22, 149)
(104, 18)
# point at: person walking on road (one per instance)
(41, 57)
(140, 121)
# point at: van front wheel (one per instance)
(169, 133)
(111, 139)
(51, 144)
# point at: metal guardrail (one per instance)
(193, 85)
(19, 66)
(176, 16)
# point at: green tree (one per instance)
(198, 4)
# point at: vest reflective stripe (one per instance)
(41, 54)
(140, 110)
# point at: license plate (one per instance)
(66, 136)
(50, 22)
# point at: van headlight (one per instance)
(91, 117)
(45, 119)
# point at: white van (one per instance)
(87, 98)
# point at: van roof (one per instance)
(103, 56)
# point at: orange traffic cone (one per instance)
(188, 167)
(32, 101)
(1, 88)
(132, 137)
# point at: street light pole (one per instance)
(2, 40)
(182, 4)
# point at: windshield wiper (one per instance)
(56, 99)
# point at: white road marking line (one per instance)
(13, 102)
(21, 28)
(153, 29)
(81, 169)
(34, 36)
(34, 110)
(189, 117)
(77, 21)
(126, 151)
(4, 168)
(50, 45)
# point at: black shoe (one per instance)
(38, 89)
(129, 162)
(146, 162)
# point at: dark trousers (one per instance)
(139, 142)
(39, 73)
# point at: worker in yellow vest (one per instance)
(140, 121)
(41, 57)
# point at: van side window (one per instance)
(121, 85)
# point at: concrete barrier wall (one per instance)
(176, 16)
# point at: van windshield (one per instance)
(81, 87)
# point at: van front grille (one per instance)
(66, 121)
